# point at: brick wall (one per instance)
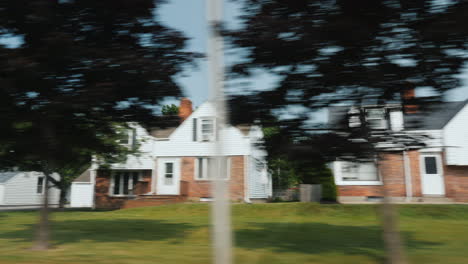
(102, 198)
(202, 188)
(456, 182)
(414, 158)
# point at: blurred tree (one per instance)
(170, 110)
(80, 68)
(326, 52)
(352, 52)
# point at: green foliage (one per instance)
(283, 173)
(169, 110)
(329, 192)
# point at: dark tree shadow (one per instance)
(317, 238)
(108, 230)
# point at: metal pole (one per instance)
(221, 215)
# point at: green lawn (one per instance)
(264, 233)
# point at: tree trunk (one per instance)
(391, 234)
(43, 228)
(63, 196)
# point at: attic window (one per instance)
(375, 118)
(204, 129)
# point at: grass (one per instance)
(264, 234)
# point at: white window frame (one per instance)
(206, 168)
(337, 171)
(130, 183)
(204, 137)
(383, 120)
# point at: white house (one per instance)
(177, 162)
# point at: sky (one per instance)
(189, 16)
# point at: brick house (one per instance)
(177, 164)
(436, 173)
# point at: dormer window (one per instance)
(376, 118)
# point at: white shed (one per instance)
(25, 189)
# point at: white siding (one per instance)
(2, 194)
(21, 190)
(260, 182)
(81, 194)
(181, 141)
(456, 139)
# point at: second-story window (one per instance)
(207, 129)
(376, 118)
(127, 137)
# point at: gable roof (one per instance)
(434, 116)
(162, 132)
(6, 176)
(84, 177)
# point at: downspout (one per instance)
(93, 184)
(408, 180)
(246, 179)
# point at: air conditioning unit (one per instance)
(206, 137)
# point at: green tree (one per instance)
(81, 68)
(169, 110)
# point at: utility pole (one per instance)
(221, 211)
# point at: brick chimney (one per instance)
(407, 96)
(185, 109)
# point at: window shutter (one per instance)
(194, 129)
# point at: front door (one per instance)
(168, 182)
(432, 175)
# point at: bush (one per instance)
(329, 192)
